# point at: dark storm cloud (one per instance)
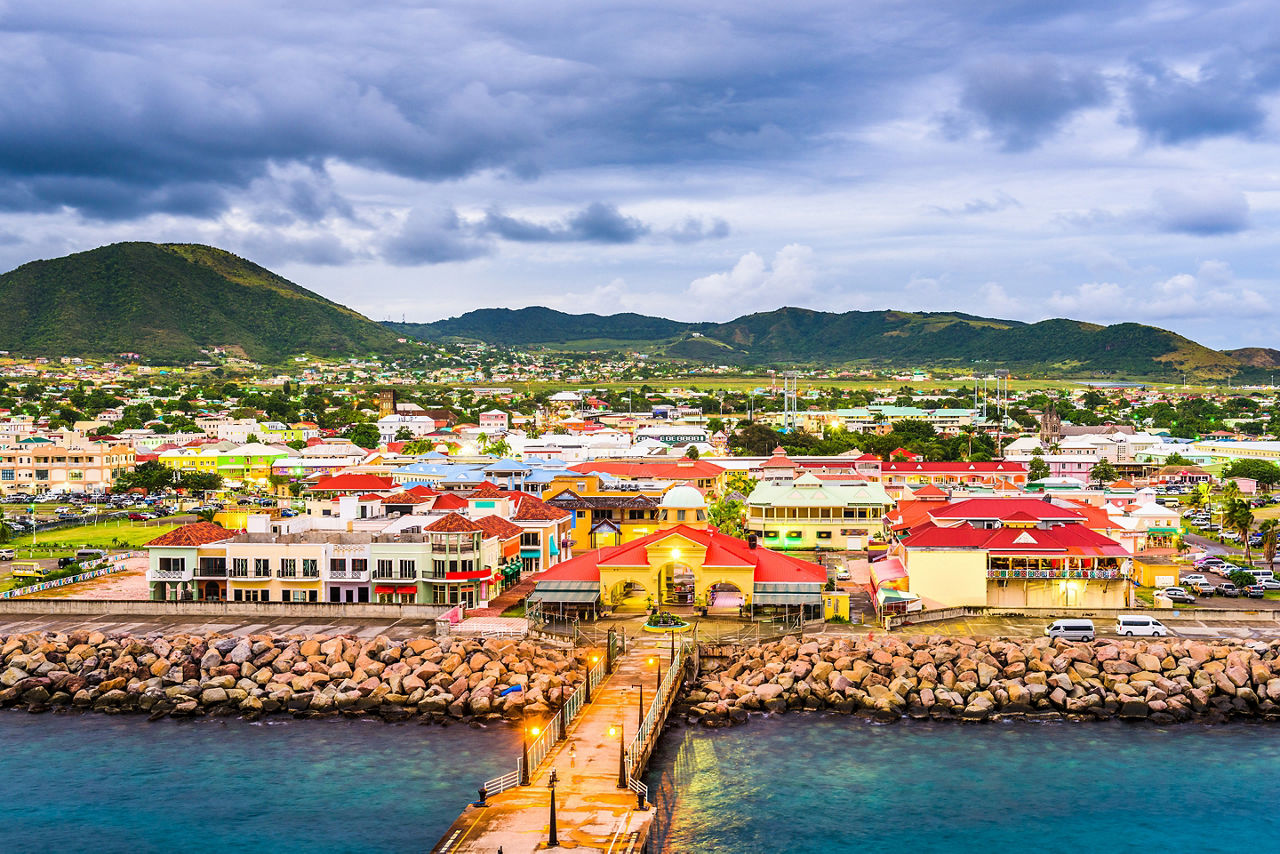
(1222, 99)
(1203, 211)
(598, 222)
(1020, 103)
(434, 237)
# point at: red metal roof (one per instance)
(354, 483)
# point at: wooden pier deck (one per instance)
(593, 813)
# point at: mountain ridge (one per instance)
(791, 335)
(168, 302)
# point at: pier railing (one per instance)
(656, 716)
(555, 729)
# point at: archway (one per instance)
(212, 590)
(723, 597)
(630, 596)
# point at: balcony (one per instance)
(287, 573)
(168, 575)
(211, 571)
(349, 575)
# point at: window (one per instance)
(310, 568)
(824, 535)
(7, 474)
(261, 567)
(240, 568)
(407, 569)
(359, 564)
(252, 595)
(680, 514)
(338, 565)
(793, 535)
(173, 564)
(288, 567)
(529, 540)
(437, 568)
(771, 535)
(383, 570)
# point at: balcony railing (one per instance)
(237, 573)
(310, 573)
(349, 574)
(169, 574)
(211, 571)
(286, 573)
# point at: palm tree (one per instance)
(1270, 530)
(1239, 517)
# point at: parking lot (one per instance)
(1180, 622)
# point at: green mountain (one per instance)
(802, 336)
(167, 301)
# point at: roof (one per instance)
(353, 483)
(496, 526)
(1004, 508)
(1069, 539)
(453, 523)
(195, 534)
(681, 469)
(962, 467)
(721, 550)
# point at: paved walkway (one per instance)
(592, 813)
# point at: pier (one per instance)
(595, 750)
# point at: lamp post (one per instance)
(622, 754)
(640, 707)
(595, 659)
(608, 652)
(524, 749)
(552, 842)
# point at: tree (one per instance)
(1103, 473)
(740, 482)
(1265, 473)
(363, 434)
(404, 434)
(715, 425)
(1238, 517)
(691, 453)
(1270, 530)
(726, 514)
(1176, 459)
(200, 481)
(1037, 469)
(206, 515)
(415, 447)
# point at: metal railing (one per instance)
(670, 683)
(559, 723)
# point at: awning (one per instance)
(567, 597)
(406, 590)
(566, 592)
(384, 588)
(772, 593)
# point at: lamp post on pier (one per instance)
(552, 842)
(622, 754)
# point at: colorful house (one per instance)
(683, 563)
(188, 563)
(809, 513)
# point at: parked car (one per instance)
(1201, 588)
(1255, 591)
(1140, 624)
(7, 554)
(1269, 584)
(136, 517)
(1194, 578)
(1228, 589)
(1074, 630)
(1178, 594)
(842, 574)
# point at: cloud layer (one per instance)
(703, 160)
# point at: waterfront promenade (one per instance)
(593, 813)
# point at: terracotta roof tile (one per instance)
(195, 534)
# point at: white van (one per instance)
(1140, 624)
(1261, 575)
(1074, 630)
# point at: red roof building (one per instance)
(348, 484)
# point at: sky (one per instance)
(1105, 161)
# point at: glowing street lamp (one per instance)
(617, 732)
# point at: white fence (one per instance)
(101, 567)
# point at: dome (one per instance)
(683, 498)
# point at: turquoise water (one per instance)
(785, 784)
(120, 784)
(836, 784)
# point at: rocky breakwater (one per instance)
(969, 679)
(186, 675)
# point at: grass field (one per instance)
(63, 542)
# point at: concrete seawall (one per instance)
(264, 611)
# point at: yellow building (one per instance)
(605, 515)
(683, 564)
(1012, 552)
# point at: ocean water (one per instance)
(109, 784)
(798, 783)
(792, 783)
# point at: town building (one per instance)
(809, 513)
